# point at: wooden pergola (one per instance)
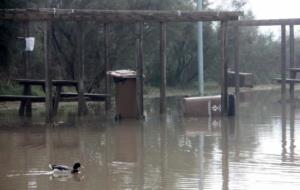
(107, 17)
(283, 68)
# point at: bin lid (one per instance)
(122, 74)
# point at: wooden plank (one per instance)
(12, 98)
(139, 69)
(63, 97)
(108, 16)
(292, 61)
(42, 82)
(48, 78)
(283, 63)
(108, 66)
(224, 67)
(82, 108)
(294, 69)
(287, 80)
(89, 96)
(163, 60)
(267, 22)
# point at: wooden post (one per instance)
(163, 79)
(237, 66)
(292, 131)
(26, 106)
(82, 108)
(224, 67)
(283, 66)
(26, 54)
(292, 61)
(108, 66)
(48, 77)
(139, 69)
(163, 150)
(225, 153)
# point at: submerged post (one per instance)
(82, 108)
(48, 77)
(163, 79)
(237, 65)
(283, 64)
(139, 69)
(108, 66)
(26, 106)
(292, 61)
(224, 67)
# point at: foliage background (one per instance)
(260, 53)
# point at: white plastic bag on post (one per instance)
(29, 43)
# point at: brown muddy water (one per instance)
(259, 149)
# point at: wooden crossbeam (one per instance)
(108, 16)
(267, 22)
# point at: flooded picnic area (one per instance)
(257, 149)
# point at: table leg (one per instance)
(22, 108)
(57, 98)
(26, 106)
(28, 110)
(292, 87)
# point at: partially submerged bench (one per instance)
(88, 96)
(27, 99)
(246, 79)
(288, 80)
(14, 98)
(291, 81)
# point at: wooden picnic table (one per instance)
(38, 82)
(26, 103)
(292, 80)
(26, 98)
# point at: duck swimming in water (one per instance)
(65, 169)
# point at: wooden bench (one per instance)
(26, 100)
(6, 98)
(58, 84)
(294, 69)
(88, 96)
(288, 80)
(246, 79)
(65, 97)
(292, 80)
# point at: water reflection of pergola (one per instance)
(107, 17)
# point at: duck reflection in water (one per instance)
(62, 178)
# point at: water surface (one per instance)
(259, 149)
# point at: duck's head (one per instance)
(75, 167)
